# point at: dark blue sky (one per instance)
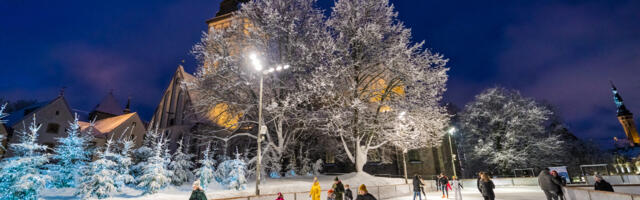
(563, 52)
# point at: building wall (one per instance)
(56, 113)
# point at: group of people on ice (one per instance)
(442, 184)
(338, 191)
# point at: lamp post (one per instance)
(257, 65)
(451, 131)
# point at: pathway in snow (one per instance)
(502, 193)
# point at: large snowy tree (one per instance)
(21, 176)
(72, 155)
(377, 72)
(181, 166)
(502, 130)
(279, 33)
(99, 180)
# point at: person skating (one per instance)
(478, 181)
(438, 182)
(331, 195)
(457, 188)
(197, 193)
(315, 189)
(422, 187)
(348, 195)
(548, 184)
(563, 183)
(363, 194)
(601, 184)
(444, 183)
(486, 187)
(280, 197)
(416, 187)
(338, 188)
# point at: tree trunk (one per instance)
(361, 158)
(404, 165)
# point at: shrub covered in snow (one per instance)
(181, 166)
(99, 181)
(155, 175)
(72, 155)
(232, 174)
(21, 176)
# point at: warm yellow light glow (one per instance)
(222, 115)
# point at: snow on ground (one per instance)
(502, 193)
(215, 191)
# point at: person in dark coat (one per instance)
(416, 187)
(198, 192)
(601, 184)
(438, 182)
(444, 183)
(363, 194)
(562, 181)
(478, 181)
(338, 188)
(549, 185)
(486, 187)
(348, 195)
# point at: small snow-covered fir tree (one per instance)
(306, 168)
(21, 176)
(123, 161)
(99, 181)
(291, 167)
(142, 154)
(155, 175)
(206, 171)
(232, 173)
(181, 166)
(2, 115)
(317, 167)
(72, 155)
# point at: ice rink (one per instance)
(502, 193)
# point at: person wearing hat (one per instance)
(338, 188)
(601, 184)
(363, 194)
(198, 192)
(315, 189)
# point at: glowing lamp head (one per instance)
(452, 130)
(255, 62)
(279, 68)
(286, 66)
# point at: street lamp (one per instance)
(451, 131)
(262, 129)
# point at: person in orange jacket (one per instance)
(315, 189)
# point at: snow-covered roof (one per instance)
(19, 115)
(106, 125)
(110, 105)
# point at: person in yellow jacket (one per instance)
(315, 189)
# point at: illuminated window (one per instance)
(330, 158)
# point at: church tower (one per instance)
(625, 117)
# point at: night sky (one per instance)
(562, 52)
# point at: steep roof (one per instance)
(229, 6)
(106, 125)
(19, 115)
(110, 105)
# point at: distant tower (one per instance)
(127, 109)
(625, 117)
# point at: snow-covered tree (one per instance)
(99, 181)
(155, 175)
(21, 176)
(232, 173)
(206, 171)
(72, 155)
(281, 33)
(317, 167)
(503, 130)
(306, 165)
(181, 166)
(2, 115)
(376, 73)
(144, 152)
(123, 161)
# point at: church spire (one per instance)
(622, 109)
(127, 108)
